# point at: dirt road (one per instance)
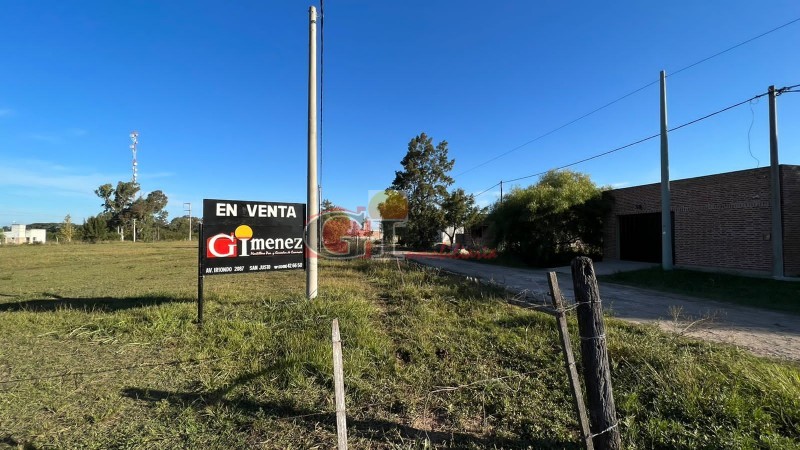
(763, 332)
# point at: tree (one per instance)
(121, 207)
(149, 212)
(424, 181)
(67, 231)
(552, 221)
(118, 203)
(95, 228)
(459, 210)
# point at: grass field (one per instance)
(98, 349)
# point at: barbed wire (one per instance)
(117, 369)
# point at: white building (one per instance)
(19, 235)
(459, 235)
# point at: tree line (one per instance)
(549, 222)
(123, 207)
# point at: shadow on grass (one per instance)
(11, 442)
(101, 304)
(373, 429)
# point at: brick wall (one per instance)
(721, 221)
(790, 195)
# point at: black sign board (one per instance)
(241, 236)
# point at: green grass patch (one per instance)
(99, 350)
(767, 293)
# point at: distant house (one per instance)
(20, 235)
(445, 236)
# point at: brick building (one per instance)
(721, 221)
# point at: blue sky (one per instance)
(218, 94)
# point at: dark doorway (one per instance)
(640, 237)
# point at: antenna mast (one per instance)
(135, 141)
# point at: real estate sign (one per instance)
(243, 236)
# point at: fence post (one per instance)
(338, 386)
(569, 360)
(596, 373)
(200, 276)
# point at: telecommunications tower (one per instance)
(134, 140)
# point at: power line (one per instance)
(718, 112)
(486, 190)
(588, 159)
(608, 152)
(737, 46)
(559, 128)
(626, 96)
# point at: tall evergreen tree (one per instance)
(424, 179)
(95, 228)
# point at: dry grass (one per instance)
(100, 350)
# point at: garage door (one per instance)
(640, 237)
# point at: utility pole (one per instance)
(666, 216)
(311, 188)
(190, 217)
(501, 191)
(775, 187)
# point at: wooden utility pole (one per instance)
(569, 361)
(775, 188)
(596, 372)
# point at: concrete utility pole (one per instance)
(666, 216)
(313, 199)
(775, 188)
(188, 206)
(501, 191)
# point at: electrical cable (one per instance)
(749, 130)
(486, 190)
(628, 95)
(587, 159)
(736, 46)
(558, 128)
(707, 116)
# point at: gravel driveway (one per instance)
(763, 332)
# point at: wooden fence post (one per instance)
(338, 386)
(596, 373)
(569, 360)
